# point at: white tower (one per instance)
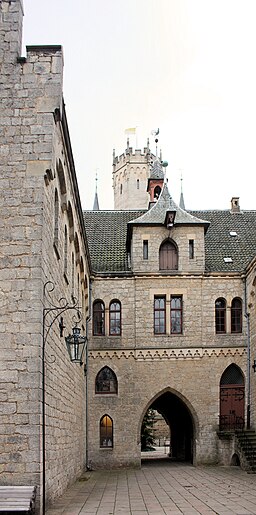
(131, 172)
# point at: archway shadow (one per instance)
(179, 418)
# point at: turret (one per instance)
(131, 172)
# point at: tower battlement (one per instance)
(132, 153)
(131, 171)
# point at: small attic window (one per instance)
(233, 233)
(228, 260)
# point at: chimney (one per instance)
(235, 207)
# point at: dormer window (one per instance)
(169, 219)
(168, 256)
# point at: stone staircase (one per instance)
(246, 441)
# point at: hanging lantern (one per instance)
(75, 345)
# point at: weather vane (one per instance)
(155, 133)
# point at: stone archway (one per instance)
(181, 418)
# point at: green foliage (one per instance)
(147, 431)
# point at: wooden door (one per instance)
(232, 399)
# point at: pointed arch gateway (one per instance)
(182, 421)
(232, 396)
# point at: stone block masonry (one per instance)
(32, 144)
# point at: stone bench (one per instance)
(17, 499)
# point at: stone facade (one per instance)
(42, 239)
(130, 175)
(147, 365)
(251, 340)
(51, 251)
(182, 376)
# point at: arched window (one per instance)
(98, 318)
(236, 315)
(220, 316)
(168, 256)
(157, 192)
(138, 184)
(106, 381)
(115, 318)
(106, 431)
(121, 189)
(232, 399)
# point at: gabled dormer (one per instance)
(166, 235)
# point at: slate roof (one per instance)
(157, 214)
(106, 236)
(107, 232)
(157, 170)
(219, 244)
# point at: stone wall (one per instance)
(36, 161)
(180, 236)
(251, 341)
(189, 365)
(130, 177)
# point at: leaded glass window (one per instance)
(106, 432)
(115, 318)
(160, 315)
(106, 381)
(176, 314)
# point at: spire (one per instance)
(182, 203)
(96, 200)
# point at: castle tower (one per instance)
(131, 172)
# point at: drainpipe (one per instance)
(86, 378)
(247, 316)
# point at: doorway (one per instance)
(232, 399)
(175, 412)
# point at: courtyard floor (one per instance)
(161, 487)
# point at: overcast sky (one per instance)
(185, 66)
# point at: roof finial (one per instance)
(182, 203)
(96, 200)
(155, 133)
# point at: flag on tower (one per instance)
(131, 130)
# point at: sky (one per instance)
(186, 67)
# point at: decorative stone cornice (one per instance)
(168, 354)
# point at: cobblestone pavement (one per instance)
(161, 487)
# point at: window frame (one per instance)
(109, 384)
(145, 250)
(94, 321)
(176, 310)
(159, 310)
(107, 435)
(221, 316)
(191, 249)
(236, 316)
(114, 319)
